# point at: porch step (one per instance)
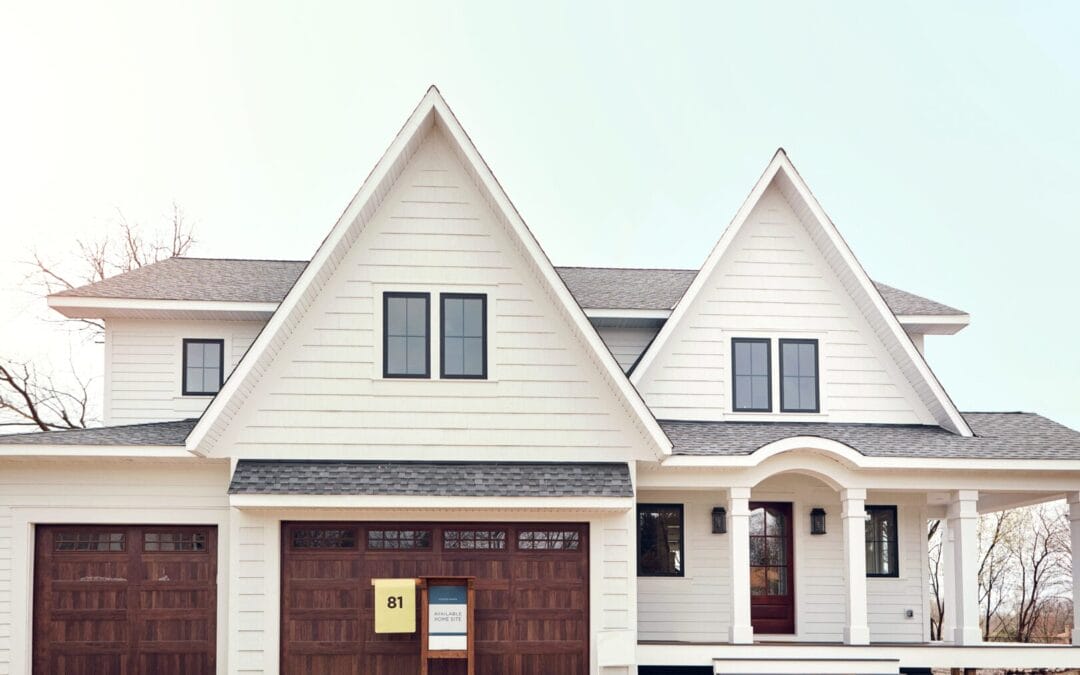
(805, 666)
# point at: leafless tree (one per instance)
(125, 246)
(995, 533)
(1038, 556)
(30, 395)
(937, 595)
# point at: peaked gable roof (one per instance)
(432, 111)
(866, 295)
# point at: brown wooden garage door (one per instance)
(532, 599)
(117, 600)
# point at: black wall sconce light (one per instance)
(817, 521)
(719, 520)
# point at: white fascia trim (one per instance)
(38, 450)
(657, 314)
(92, 308)
(398, 502)
(432, 104)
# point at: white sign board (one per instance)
(448, 622)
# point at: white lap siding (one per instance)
(773, 282)
(627, 342)
(144, 363)
(96, 491)
(695, 607)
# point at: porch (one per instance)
(708, 615)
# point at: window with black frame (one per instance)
(406, 347)
(464, 336)
(882, 551)
(751, 388)
(660, 540)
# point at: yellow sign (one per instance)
(395, 605)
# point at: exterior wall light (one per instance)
(719, 520)
(817, 521)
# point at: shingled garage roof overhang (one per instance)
(998, 436)
(544, 480)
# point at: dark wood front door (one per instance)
(772, 579)
(121, 600)
(532, 595)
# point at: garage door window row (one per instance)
(116, 542)
(382, 538)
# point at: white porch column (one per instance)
(963, 522)
(1074, 532)
(741, 632)
(856, 630)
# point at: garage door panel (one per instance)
(99, 664)
(107, 599)
(531, 593)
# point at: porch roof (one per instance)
(439, 479)
(997, 436)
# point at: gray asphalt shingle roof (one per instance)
(153, 433)
(221, 279)
(997, 436)
(207, 279)
(440, 479)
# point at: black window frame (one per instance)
(184, 391)
(387, 295)
(443, 297)
(894, 543)
(681, 572)
(768, 375)
(817, 373)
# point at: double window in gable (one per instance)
(752, 375)
(407, 335)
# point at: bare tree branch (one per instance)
(31, 397)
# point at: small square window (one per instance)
(204, 367)
(799, 376)
(882, 546)
(464, 336)
(406, 347)
(660, 540)
(751, 373)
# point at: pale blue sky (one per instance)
(942, 138)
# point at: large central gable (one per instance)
(430, 218)
(782, 269)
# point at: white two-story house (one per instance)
(728, 469)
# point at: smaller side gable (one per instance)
(782, 177)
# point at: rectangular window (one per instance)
(474, 540)
(333, 537)
(549, 540)
(660, 540)
(174, 541)
(751, 375)
(204, 369)
(882, 551)
(90, 541)
(464, 336)
(406, 348)
(799, 376)
(398, 540)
